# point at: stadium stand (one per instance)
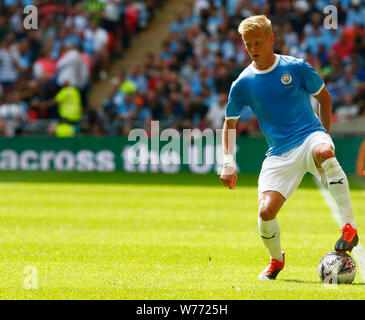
(73, 45)
(185, 83)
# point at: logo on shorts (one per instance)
(286, 78)
(337, 182)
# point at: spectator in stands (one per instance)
(129, 21)
(143, 113)
(234, 69)
(214, 20)
(69, 109)
(344, 46)
(282, 15)
(314, 39)
(10, 65)
(204, 78)
(359, 42)
(322, 55)
(15, 20)
(13, 115)
(217, 112)
(358, 71)
(332, 88)
(94, 9)
(111, 16)
(189, 70)
(77, 18)
(172, 83)
(48, 28)
(138, 76)
(22, 50)
(59, 42)
(86, 66)
(93, 123)
(69, 104)
(99, 38)
(206, 58)
(335, 67)
(301, 48)
(222, 80)
(45, 66)
(227, 47)
(200, 5)
(195, 112)
(4, 27)
(330, 37)
(290, 37)
(116, 95)
(38, 95)
(69, 66)
(346, 86)
(178, 25)
(356, 14)
(190, 17)
(177, 104)
(154, 103)
(300, 16)
(168, 114)
(127, 109)
(166, 51)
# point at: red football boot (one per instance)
(273, 269)
(348, 240)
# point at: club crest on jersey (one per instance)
(286, 78)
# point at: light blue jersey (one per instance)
(279, 98)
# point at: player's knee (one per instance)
(323, 153)
(266, 213)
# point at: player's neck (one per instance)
(265, 64)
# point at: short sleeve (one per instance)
(310, 79)
(235, 104)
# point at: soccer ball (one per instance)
(336, 268)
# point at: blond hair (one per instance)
(255, 23)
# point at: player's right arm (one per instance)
(229, 173)
(233, 112)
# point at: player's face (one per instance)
(259, 46)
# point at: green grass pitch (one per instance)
(154, 236)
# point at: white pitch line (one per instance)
(358, 251)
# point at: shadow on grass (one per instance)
(316, 282)
(119, 177)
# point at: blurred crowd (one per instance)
(47, 70)
(186, 84)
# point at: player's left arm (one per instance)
(312, 82)
(324, 108)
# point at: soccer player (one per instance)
(277, 89)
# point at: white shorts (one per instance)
(285, 172)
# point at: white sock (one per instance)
(270, 234)
(338, 186)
